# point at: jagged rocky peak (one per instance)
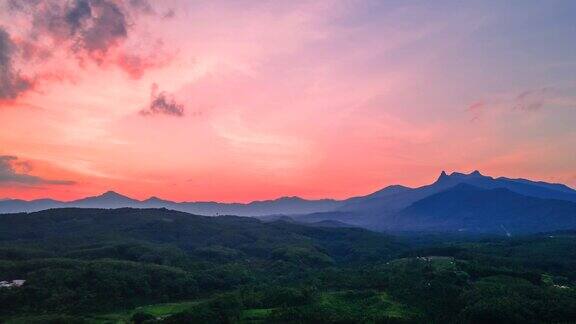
(443, 176)
(458, 175)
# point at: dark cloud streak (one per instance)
(531, 100)
(89, 30)
(89, 26)
(11, 83)
(142, 6)
(527, 101)
(163, 103)
(83, 27)
(10, 176)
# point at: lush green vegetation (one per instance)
(160, 266)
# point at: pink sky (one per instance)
(249, 100)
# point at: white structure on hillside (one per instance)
(12, 284)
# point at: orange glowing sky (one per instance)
(247, 100)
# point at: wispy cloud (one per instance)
(530, 100)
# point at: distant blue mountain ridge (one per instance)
(111, 199)
(459, 202)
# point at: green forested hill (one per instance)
(82, 232)
(162, 266)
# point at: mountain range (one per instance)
(111, 199)
(460, 202)
(454, 202)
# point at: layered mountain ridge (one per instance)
(460, 202)
(111, 199)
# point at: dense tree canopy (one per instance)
(82, 264)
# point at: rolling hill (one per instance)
(79, 227)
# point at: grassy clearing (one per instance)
(157, 310)
(255, 315)
(375, 303)
(166, 309)
(395, 309)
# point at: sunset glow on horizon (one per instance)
(252, 100)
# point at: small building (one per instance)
(12, 284)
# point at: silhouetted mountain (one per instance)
(522, 186)
(395, 198)
(111, 199)
(553, 186)
(379, 210)
(384, 209)
(155, 200)
(18, 205)
(472, 209)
